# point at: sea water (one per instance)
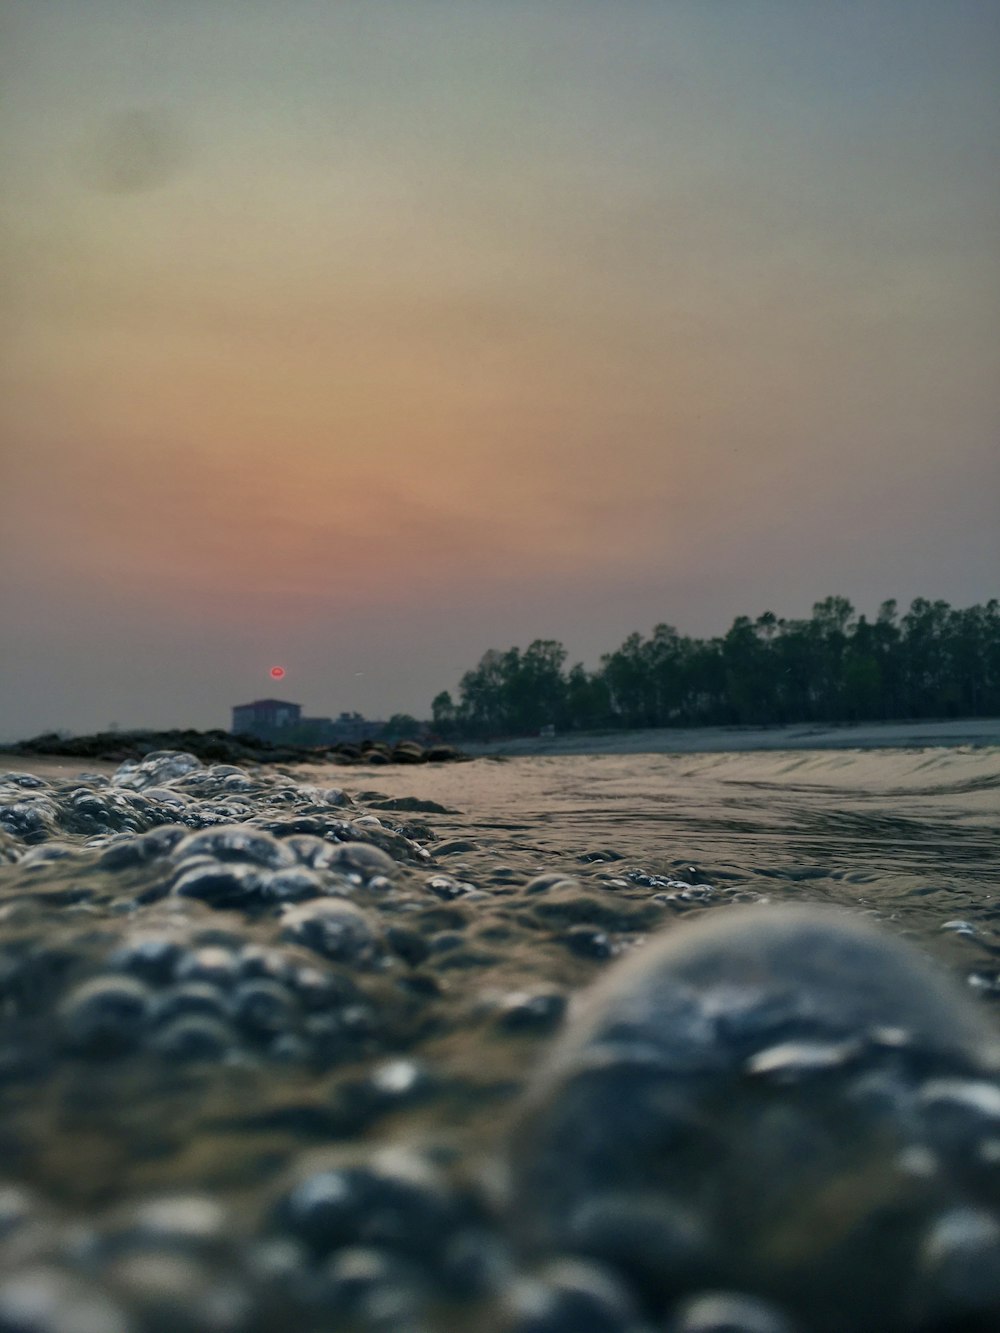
(268, 1036)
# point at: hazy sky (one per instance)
(361, 337)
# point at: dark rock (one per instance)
(409, 944)
(235, 842)
(728, 1312)
(212, 963)
(362, 1282)
(106, 1015)
(362, 862)
(291, 886)
(569, 1296)
(149, 846)
(588, 942)
(152, 958)
(331, 927)
(392, 1198)
(190, 997)
(660, 1138)
(194, 1037)
(537, 1012)
(45, 1299)
(221, 885)
(264, 1008)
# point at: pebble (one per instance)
(538, 1012)
(152, 958)
(331, 927)
(220, 885)
(569, 1296)
(48, 1300)
(394, 1198)
(649, 1095)
(194, 1037)
(106, 1015)
(728, 1312)
(264, 1008)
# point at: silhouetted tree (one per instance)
(443, 714)
(835, 666)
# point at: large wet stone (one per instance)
(766, 1103)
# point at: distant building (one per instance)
(316, 731)
(276, 719)
(265, 716)
(353, 728)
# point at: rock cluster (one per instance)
(269, 1059)
(225, 748)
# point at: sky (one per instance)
(362, 337)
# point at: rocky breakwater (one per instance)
(269, 1059)
(226, 748)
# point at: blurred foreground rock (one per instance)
(785, 1103)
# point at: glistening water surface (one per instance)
(911, 836)
(264, 1034)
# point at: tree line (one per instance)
(931, 662)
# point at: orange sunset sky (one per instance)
(362, 337)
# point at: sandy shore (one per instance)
(711, 740)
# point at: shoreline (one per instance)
(977, 732)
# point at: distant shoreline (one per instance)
(712, 740)
(974, 732)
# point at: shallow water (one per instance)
(177, 1029)
(910, 836)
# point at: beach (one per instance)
(275, 1038)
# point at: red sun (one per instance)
(277, 673)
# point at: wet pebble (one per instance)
(363, 863)
(50, 1300)
(537, 1012)
(212, 963)
(569, 1296)
(394, 1198)
(181, 1222)
(157, 767)
(190, 997)
(106, 1015)
(194, 1037)
(256, 960)
(408, 944)
(264, 1008)
(150, 846)
(295, 884)
(728, 1312)
(548, 881)
(220, 885)
(588, 942)
(331, 927)
(152, 958)
(368, 1284)
(960, 1265)
(391, 1086)
(668, 1110)
(235, 842)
